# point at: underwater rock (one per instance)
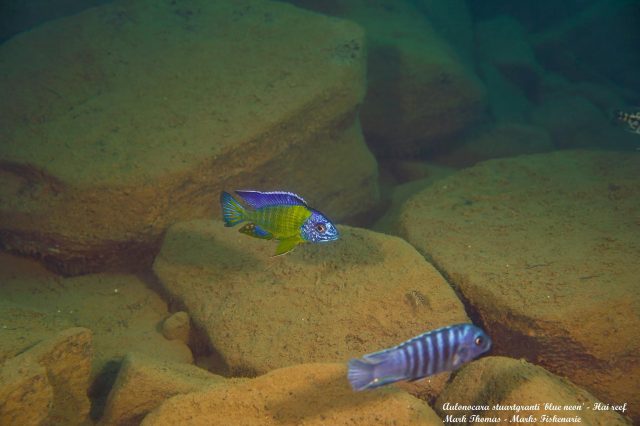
(122, 312)
(544, 247)
(401, 193)
(144, 382)
(177, 326)
(500, 140)
(503, 42)
(320, 303)
(417, 98)
(309, 394)
(598, 44)
(67, 357)
(580, 114)
(574, 122)
(407, 170)
(598, 94)
(25, 392)
(420, 92)
(453, 21)
(21, 15)
(130, 116)
(450, 18)
(507, 102)
(506, 382)
(56, 391)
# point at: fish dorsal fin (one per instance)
(257, 199)
(378, 357)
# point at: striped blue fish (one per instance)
(444, 349)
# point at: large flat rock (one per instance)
(130, 116)
(320, 303)
(310, 394)
(545, 249)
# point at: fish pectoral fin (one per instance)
(459, 357)
(255, 231)
(285, 246)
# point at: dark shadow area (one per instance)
(204, 354)
(101, 386)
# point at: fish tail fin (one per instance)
(617, 116)
(361, 374)
(232, 211)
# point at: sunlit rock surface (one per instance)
(310, 394)
(320, 303)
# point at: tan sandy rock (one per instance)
(47, 384)
(143, 111)
(499, 382)
(67, 357)
(310, 394)
(144, 382)
(319, 303)
(122, 312)
(401, 193)
(177, 326)
(543, 248)
(25, 392)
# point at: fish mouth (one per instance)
(334, 235)
(327, 238)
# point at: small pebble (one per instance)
(177, 326)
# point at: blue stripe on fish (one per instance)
(428, 366)
(444, 349)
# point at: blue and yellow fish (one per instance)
(282, 216)
(444, 349)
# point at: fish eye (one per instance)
(321, 228)
(479, 341)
